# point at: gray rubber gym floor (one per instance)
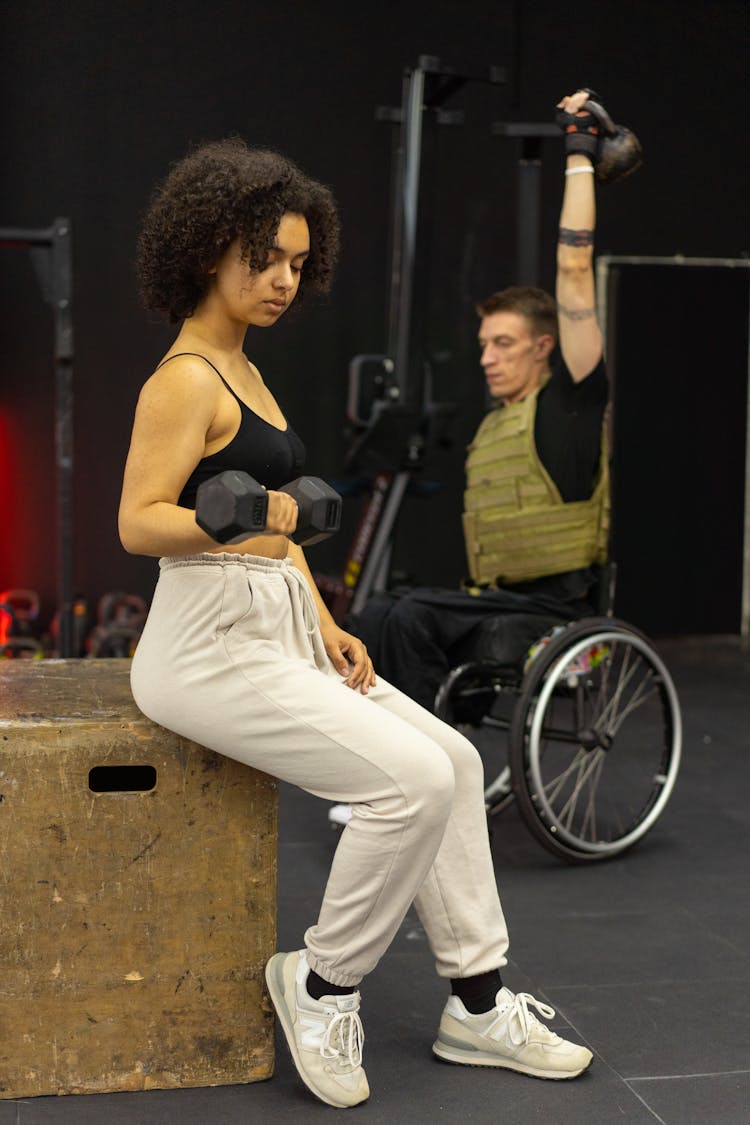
(644, 958)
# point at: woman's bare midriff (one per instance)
(267, 546)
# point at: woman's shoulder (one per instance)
(181, 382)
(189, 370)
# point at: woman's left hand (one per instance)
(349, 657)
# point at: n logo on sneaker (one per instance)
(312, 1030)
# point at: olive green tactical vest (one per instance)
(516, 525)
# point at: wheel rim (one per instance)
(603, 743)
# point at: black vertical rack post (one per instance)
(403, 384)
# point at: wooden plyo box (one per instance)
(136, 916)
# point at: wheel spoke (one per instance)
(589, 817)
(587, 765)
(555, 784)
(637, 699)
(624, 677)
(648, 685)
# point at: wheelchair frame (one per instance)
(594, 736)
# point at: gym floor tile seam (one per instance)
(683, 1077)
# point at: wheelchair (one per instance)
(584, 733)
(583, 730)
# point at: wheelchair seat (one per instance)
(505, 639)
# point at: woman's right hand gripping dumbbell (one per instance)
(282, 513)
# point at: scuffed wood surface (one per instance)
(134, 926)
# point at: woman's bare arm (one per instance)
(174, 420)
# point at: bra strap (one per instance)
(208, 361)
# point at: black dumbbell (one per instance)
(319, 509)
(230, 506)
(233, 505)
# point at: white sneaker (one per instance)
(324, 1036)
(508, 1036)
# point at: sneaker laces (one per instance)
(526, 1019)
(344, 1038)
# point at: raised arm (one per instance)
(580, 337)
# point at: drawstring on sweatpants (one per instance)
(293, 578)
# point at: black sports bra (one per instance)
(272, 456)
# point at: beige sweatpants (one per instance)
(232, 657)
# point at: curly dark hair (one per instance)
(222, 191)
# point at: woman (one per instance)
(240, 654)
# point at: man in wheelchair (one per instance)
(537, 483)
(589, 716)
(590, 719)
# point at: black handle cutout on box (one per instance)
(122, 779)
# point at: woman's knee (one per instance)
(468, 767)
(430, 785)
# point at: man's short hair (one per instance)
(535, 305)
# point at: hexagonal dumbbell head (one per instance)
(319, 509)
(230, 506)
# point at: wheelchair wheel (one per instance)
(595, 740)
(473, 699)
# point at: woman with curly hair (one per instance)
(241, 654)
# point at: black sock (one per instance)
(317, 987)
(478, 993)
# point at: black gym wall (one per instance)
(98, 100)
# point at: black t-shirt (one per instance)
(568, 435)
(568, 429)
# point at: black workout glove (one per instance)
(582, 131)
